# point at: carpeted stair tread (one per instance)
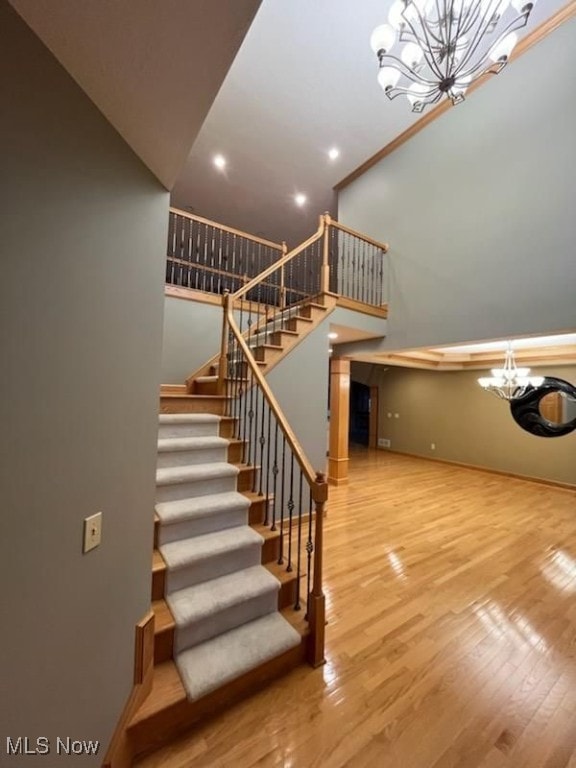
(201, 443)
(215, 662)
(190, 474)
(171, 512)
(188, 418)
(196, 603)
(181, 553)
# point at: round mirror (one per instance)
(548, 410)
(558, 408)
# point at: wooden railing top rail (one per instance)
(231, 230)
(281, 262)
(308, 471)
(332, 223)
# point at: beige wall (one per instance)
(465, 423)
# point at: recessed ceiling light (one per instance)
(220, 162)
(300, 199)
(334, 153)
(332, 335)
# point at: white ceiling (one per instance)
(303, 81)
(527, 342)
(153, 67)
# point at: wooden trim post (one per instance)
(339, 421)
(223, 361)
(283, 278)
(317, 599)
(325, 268)
(373, 424)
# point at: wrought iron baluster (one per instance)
(362, 248)
(309, 552)
(250, 423)
(255, 440)
(268, 467)
(275, 470)
(299, 544)
(262, 441)
(282, 494)
(289, 567)
(245, 414)
(181, 236)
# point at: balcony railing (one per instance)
(212, 258)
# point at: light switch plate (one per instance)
(92, 531)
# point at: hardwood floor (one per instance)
(451, 640)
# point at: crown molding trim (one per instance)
(538, 34)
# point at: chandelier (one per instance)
(510, 382)
(448, 44)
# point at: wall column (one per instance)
(339, 421)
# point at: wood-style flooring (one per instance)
(451, 643)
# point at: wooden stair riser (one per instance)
(268, 354)
(257, 511)
(231, 386)
(299, 324)
(283, 338)
(245, 479)
(193, 404)
(149, 733)
(158, 576)
(313, 311)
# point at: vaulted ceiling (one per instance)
(166, 75)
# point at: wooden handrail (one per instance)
(281, 262)
(231, 230)
(291, 438)
(332, 223)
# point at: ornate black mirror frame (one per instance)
(526, 409)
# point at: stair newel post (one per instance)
(325, 269)
(283, 278)
(316, 599)
(223, 362)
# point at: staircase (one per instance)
(271, 339)
(223, 592)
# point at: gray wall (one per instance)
(81, 296)
(466, 424)
(300, 383)
(478, 209)
(192, 334)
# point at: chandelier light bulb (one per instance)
(415, 93)
(395, 17)
(440, 47)
(520, 5)
(510, 382)
(504, 48)
(412, 55)
(383, 38)
(388, 77)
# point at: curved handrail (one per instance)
(384, 247)
(281, 262)
(307, 469)
(224, 228)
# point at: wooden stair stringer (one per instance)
(167, 712)
(311, 314)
